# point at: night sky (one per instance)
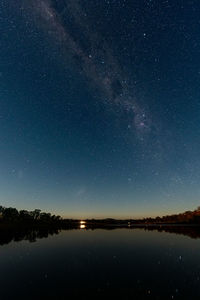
(100, 106)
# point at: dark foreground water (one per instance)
(130, 263)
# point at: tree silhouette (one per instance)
(24, 216)
(10, 213)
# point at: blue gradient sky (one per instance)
(99, 107)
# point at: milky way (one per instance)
(100, 106)
(67, 23)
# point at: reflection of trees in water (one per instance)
(191, 231)
(33, 234)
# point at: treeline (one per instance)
(188, 217)
(10, 214)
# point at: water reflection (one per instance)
(132, 263)
(33, 234)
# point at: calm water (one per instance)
(135, 264)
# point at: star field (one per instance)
(100, 106)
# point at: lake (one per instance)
(130, 263)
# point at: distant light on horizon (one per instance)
(82, 224)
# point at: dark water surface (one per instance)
(130, 263)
